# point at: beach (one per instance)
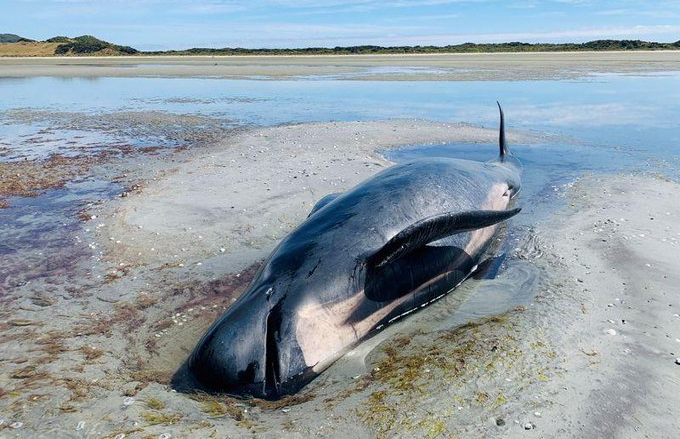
(577, 335)
(438, 67)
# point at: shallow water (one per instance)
(40, 233)
(627, 111)
(634, 114)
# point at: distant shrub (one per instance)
(127, 50)
(458, 48)
(62, 49)
(58, 39)
(87, 44)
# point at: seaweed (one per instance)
(151, 376)
(154, 403)
(216, 409)
(286, 401)
(404, 373)
(24, 372)
(91, 353)
(379, 412)
(156, 418)
(52, 344)
(80, 388)
(216, 406)
(438, 428)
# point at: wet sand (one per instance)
(442, 67)
(584, 344)
(618, 249)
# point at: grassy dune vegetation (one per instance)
(458, 48)
(28, 48)
(14, 45)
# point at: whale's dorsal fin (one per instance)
(435, 228)
(323, 201)
(501, 134)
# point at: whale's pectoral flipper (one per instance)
(323, 201)
(433, 229)
(405, 263)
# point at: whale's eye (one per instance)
(509, 191)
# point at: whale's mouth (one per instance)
(272, 369)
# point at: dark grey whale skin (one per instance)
(253, 348)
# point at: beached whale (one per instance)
(361, 260)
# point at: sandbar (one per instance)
(417, 67)
(590, 353)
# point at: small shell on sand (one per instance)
(610, 331)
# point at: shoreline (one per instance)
(412, 67)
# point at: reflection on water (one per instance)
(30, 141)
(627, 111)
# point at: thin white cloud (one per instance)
(396, 36)
(570, 34)
(621, 12)
(567, 35)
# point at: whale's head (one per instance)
(252, 349)
(513, 177)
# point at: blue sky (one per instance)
(179, 24)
